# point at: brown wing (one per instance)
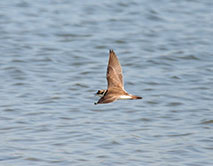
(108, 98)
(114, 71)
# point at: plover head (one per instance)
(101, 92)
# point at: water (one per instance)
(53, 59)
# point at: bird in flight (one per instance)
(115, 89)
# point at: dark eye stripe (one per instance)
(101, 92)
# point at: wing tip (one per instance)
(111, 51)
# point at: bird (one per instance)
(115, 89)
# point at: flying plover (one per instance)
(115, 89)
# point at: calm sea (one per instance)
(53, 59)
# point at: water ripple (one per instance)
(54, 58)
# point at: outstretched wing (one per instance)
(114, 71)
(107, 99)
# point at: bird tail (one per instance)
(136, 97)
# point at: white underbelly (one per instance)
(124, 97)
